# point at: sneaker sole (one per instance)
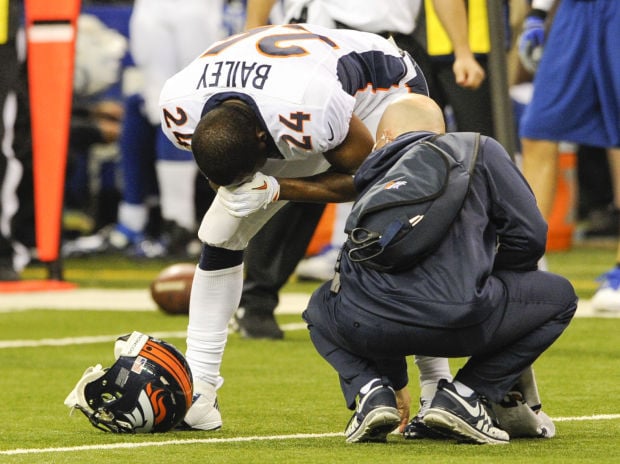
(208, 422)
(422, 431)
(456, 427)
(185, 427)
(376, 426)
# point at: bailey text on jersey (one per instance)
(234, 74)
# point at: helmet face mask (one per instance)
(147, 390)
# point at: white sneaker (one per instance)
(204, 414)
(318, 267)
(606, 299)
(547, 426)
(519, 420)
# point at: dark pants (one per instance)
(362, 346)
(273, 254)
(15, 183)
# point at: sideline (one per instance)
(69, 449)
(98, 299)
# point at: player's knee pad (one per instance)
(214, 258)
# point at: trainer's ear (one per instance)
(383, 139)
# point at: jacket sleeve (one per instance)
(521, 229)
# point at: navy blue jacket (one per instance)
(498, 228)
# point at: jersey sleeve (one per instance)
(316, 122)
(334, 118)
(338, 113)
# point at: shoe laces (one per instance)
(486, 406)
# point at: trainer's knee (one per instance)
(565, 293)
(214, 258)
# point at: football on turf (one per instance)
(172, 286)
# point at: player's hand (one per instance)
(403, 403)
(467, 72)
(244, 199)
(532, 39)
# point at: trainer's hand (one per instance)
(532, 39)
(403, 404)
(244, 199)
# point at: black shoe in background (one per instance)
(252, 325)
(7, 271)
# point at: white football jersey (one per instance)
(304, 81)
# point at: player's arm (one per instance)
(532, 38)
(257, 13)
(453, 16)
(335, 185)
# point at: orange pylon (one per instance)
(51, 28)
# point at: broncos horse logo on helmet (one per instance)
(148, 389)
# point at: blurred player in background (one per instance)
(164, 36)
(96, 120)
(16, 189)
(576, 98)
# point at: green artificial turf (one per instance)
(276, 390)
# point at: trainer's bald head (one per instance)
(411, 112)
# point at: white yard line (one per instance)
(67, 341)
(298, 436)
(66, 449)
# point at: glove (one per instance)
(532, 39)
(244, 199)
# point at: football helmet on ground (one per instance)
(147, 390)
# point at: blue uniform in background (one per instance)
(576, 97)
